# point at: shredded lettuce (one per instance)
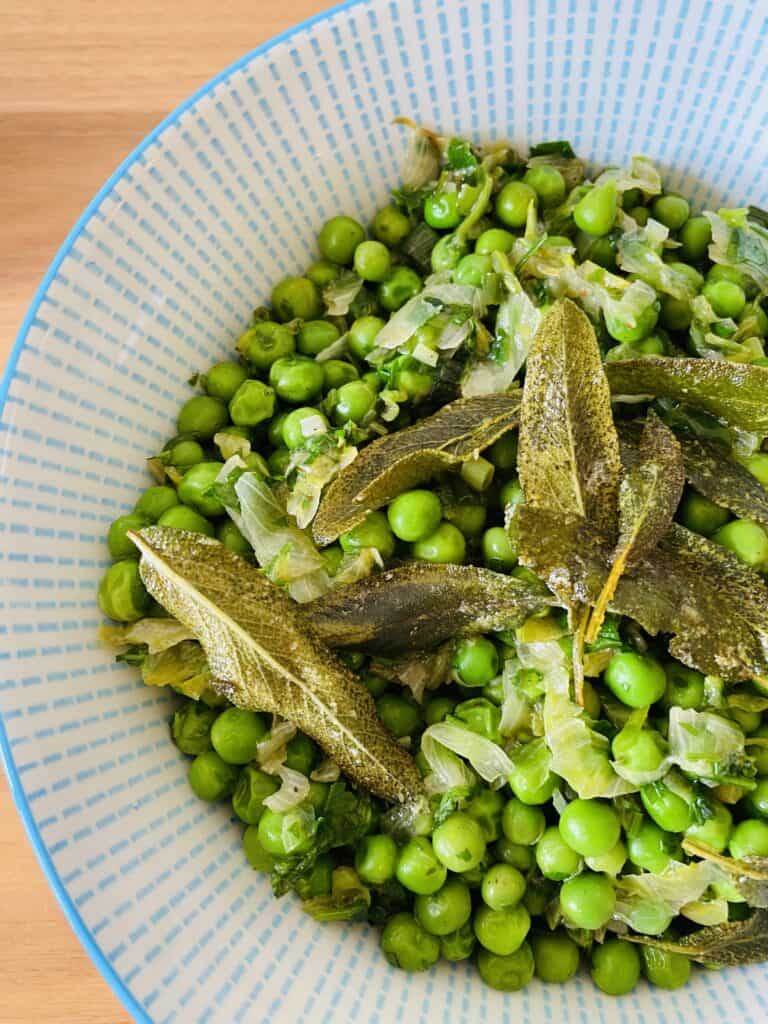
(294, 790)
(704, 744)
(157, 634)
(314, 470)
(516, 707)
(271, 752)
(339, 295)
(740, 240)
(357, 566)
(717, 337)
(447, 771)
(641, 174)
(648, 902)
(639, 252)
(183, 667)
(486, 757)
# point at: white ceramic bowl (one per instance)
(155, 281)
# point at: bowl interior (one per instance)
(155, 282)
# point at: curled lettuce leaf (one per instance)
(639, 252)
(516, 706)
(312, 475)
(447, 770)
(641, 173)
(704, 744)
(183, 667)
(339, 295)
(157, 634)
(740, 240)
(648, 902)
(293, 791)
(717, 337)
(486, 757)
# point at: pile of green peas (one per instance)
(489, 876)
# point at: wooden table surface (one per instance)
(81, 83)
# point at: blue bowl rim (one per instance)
(18, 795)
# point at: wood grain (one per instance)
(81, 83)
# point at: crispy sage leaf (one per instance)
(734, 392)
(715, 607)
(568, 457)
(264, 656)
(749, 875)
(420, 606)
(392, 464)
(649, 494)
(710, 469)
(722, 945)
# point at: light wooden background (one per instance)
(81, 82)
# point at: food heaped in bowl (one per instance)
(156, 283)
(458, 565)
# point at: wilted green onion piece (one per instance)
(734, 392)
(394, 463)
(421, 605)
(259, 648)
(723, 945)
(649, 494)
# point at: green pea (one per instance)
(414, 515)
(444, 545)
(418, 868)
(459, 843)
(629, 332)
(701, 515)
(486, 807)
(441, 210)
(195, 484)
(715, 831)
(436, 709)
(372, 261)
(322, 273)
(506, 973)
(401, 285)
(521, 823)
(236, 734)
(155, 502)
(375, 684)
(296, 298)
(760, 754)
(191, 727)
(445, 911)
(494, 240)
(599, 250)
(548, 184)
(757, 465)
(391, 226)
(596, 212)
(685, 687)
(695, 236)
(376, 859)
(400, 715)
(749, 839)
(637, 680)
(252, 789)
(230, 536)
(512, 203)
(611, 862)
(362, 335)
(373, 532)
(498, 550)
(590, 827)
(255, 854)
(747, 721)
(202, 416)
(676, 314)
(119, 544)
(721, 272)
(519, 856)
(302, 424)
(638, 750)
(315, 335)
(407, 945)
(501, 931)
(282, 834)
(664, 969)
(670, 811)
(338, 239)
(223, 380)
(470, 519)
(615, 967)
(747, 540)
(337, 372)
(183, 453)
(556, 956)
(211, 778)
(476, 661)
(296, 379)
(588, 900)
(651, 848)
(459, 945)
(639, 214)
(503, 887)
(531, 780)
(182, 518)
(756, 802)
(555, 858)
(672, 210)
(264, 343)
(122, 595)
(447, 253)
(472, 268)
(354, 401)
(726, 298)
(301, 753)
